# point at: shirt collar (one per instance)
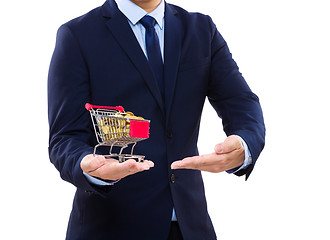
(134, 13)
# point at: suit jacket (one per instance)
(97, 59)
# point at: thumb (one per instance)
(218, 148)
(90, 163)
(230, 144)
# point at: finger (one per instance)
(90, 163)
(120, 170)
(149, 163)
(113, 170)
(196, 162)
(131, 165)
(214, 163)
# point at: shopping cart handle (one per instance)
(89, 106)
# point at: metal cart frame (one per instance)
(114, 127)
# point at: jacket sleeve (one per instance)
(234, 101)
(70, 133)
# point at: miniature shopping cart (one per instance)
(116, 128)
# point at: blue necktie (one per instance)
(153, 51)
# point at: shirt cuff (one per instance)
(247, 160)
(98, 181)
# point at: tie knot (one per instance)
(148, 21)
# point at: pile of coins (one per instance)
(117, 126)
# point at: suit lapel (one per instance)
(119, 27)
(172, 54)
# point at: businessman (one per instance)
(161, 62)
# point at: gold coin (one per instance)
(129, 114)
(117, 115)
(106, 129)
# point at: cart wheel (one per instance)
(137, 158)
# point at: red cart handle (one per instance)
(88, 106)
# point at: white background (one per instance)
(282, 48)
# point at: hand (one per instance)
(111, 169)
(228, 155)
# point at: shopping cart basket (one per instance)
(116, 128)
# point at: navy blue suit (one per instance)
(97, 59)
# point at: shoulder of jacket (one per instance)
(191, 17)
(85, 18)
(184, 13)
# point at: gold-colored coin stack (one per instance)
(116, 126)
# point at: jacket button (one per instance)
(172, 178)
(169, 134)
